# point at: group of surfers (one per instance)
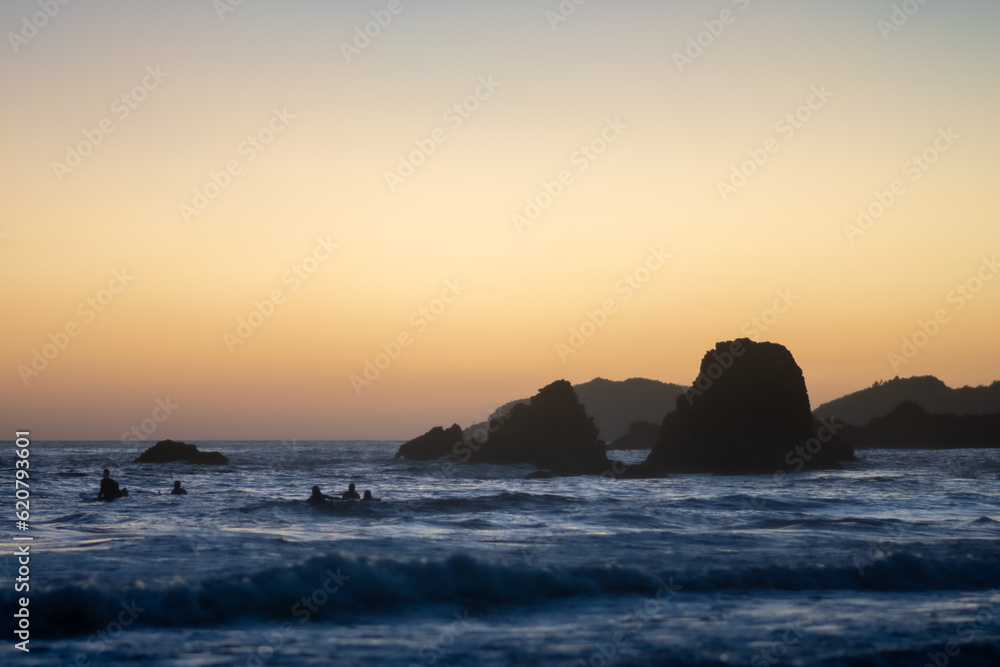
(110, 490)
(319, 498)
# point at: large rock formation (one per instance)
(910, 426)
(168, 451)
(747, 412)
(434, 444)
(551, 431)
(927, 391)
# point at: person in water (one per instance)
(318, 498)
(178, 491)
(109, 488)
(350, 494)
(368, 496)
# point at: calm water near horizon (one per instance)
(882, 563)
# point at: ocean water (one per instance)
(893, 561)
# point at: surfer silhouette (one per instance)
(109, 488)
(368, 496)
(178, 491)
(350, 494)
(318, 498)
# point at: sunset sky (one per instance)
(693, 164)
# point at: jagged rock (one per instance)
(552, 431)
(747, 412)
(168, 451)
(434, 444)
(640, 435)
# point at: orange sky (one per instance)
(476, 183)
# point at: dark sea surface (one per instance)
(893, 561)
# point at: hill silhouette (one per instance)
(614, 404)
(930, 393)
(748, 412)
(909, 425)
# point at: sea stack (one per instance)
(551, 431)
(168, 451)
(434, 444)
(746, 413)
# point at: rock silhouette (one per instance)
(640, 435)
(747, 412)
(911, 426)
(168, 451)
(551, 431)
(434, 444)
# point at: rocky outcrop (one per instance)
(434, 444)
(747, 412)
(909, 426)
(640, 435)
(168, 451)
(551, 431)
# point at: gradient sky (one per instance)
(680, 131)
